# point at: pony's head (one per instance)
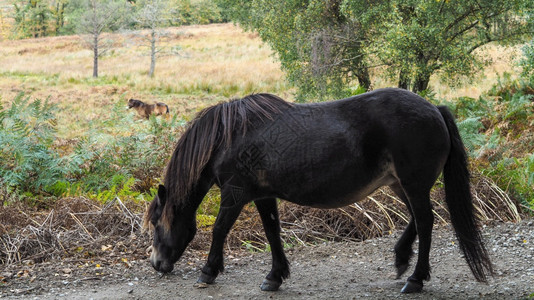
(173, 231)
(134, 103)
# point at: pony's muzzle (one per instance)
(160, 265)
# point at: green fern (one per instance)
(517, 175)
(470, 131)
(519, 107)
(527, 61)
(122, 147)
(27, 132)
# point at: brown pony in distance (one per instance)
(145, 110)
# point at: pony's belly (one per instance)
(336, 202)
(350, 196)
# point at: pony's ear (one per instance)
(162, 195)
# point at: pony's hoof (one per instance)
(401, 270)
(205, 279)
(270, 285)
(412, 287)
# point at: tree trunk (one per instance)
(363, 78)
(152, 53)
(421, 83)
(95, 55)
(422, 79)
(404, 79)
(60, 16)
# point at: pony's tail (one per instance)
(167, 107)
(460, 203)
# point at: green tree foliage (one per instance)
(423, 37)
(38, 18)
(321, 49)
(187, 12)
(58, 12)
(327, 45)
(73, 11)
(32, 18)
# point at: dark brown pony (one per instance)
(325, 155)
(145, 110)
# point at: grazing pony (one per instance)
(324, 155)
(145, 110)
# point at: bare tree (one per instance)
(153, 15)
(100, 16)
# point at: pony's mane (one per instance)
(212, 128)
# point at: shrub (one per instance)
(117, 156)
(470, 131)
(27, 132)
(517, 174)
(497, 131)
(129, 148)
(527, 61)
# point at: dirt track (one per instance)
(327, 271)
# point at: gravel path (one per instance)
(326, 271)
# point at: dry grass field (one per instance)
(212, 63)
(209, 63)
(502, 59)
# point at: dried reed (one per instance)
(380, 214)
(74, 227)
(77, 227)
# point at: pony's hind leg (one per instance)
(271, 223)
(421, 208)
(403, 248)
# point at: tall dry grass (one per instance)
(501, 59)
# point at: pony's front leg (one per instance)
(271, 223)
(225, 220)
